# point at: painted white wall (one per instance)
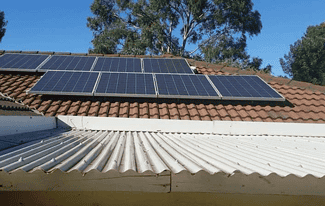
(220, 127)
(20, 124)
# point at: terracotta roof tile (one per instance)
(44, 106)
(203, 112)
(173, 111)
(232, 112)
(242, 113)
(94, 108)
(64, 108)
(236, 119)
(36, 103)
(257, 119)
(226, 118)
(183, 112)
(124, 109)
(144, 110)
(114, 109)
(74, 108)
(268, 119)
(104, 108)
(163, 111)
(134, 110)
(84, 108)
(213, 112)
(293, 115)
(252, 114)
(247, 119)
(194, 114)
(222, 112)
(263, 114)
(153, 110)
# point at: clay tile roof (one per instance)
(305, 101)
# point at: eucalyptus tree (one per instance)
(306, 58)
(218, 28)
(3, 24)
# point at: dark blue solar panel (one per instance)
(166, 66)
(118, 65)
(21, 62)
(185, 86)
(64, 83)
(244, 87)
(126, 84)
(76, 63)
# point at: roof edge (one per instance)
(191, 126)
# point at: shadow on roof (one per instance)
(165, 100)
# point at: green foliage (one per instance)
(306, 59)
(3, 24)
(256, 64)
(218, 27)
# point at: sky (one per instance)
(60, 26)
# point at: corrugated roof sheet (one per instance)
(158, 151)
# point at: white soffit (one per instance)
(157, 152)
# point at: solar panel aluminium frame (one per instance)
(25, 70)
(39, 68)
(126, 95)
(252, 98)
(66, 93)
(144, 71)
(219, 97)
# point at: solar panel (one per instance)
(21, 62)
(76, 63)
(185, 86)
(66, 83)
(126, 84)
(118, 65)
(166, 66)
(244, 88)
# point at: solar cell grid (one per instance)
(21, 62)
(126, 84)
(118, 65)
(166, 66)
(75, 63)
(185, 86)
(244, 88)
(66, 83)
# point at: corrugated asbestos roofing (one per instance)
(305, 102)
(176, 152)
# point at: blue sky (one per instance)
(61, 26)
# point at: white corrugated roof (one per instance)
(160, 151)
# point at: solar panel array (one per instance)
(68, 63)
(21, 62)
(162, 78)
(118, 65)
(43, 63)
(66, 83)
(244, 88)
(185, 86)
(155, 85)
(166, 66)
(126, 84)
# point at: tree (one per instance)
(3, 24)
(256, 64)
(306, 58)
(218, 27)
